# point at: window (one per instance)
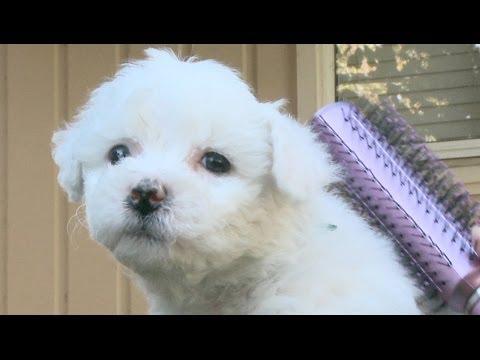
(436, 87)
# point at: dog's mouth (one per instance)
(151, 227)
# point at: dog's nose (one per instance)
(146, 197)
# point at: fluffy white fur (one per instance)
(266, 238)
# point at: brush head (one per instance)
(433, 175)
(408, 193)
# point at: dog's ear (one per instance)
(300, 164)
(70, 170)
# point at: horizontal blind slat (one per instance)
(386, 53)
(445, 63)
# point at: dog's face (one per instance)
(173, 154)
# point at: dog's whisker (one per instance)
(77, 220)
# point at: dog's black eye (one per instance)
(215, 162)
(117, 153)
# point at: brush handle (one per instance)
(377, 177)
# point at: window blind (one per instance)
(436, 87)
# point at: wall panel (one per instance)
(276, 74)
(92, 270)
(60, 209)
(3, 179)
(30, 178)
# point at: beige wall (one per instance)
(48, 264)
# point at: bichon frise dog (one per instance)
(217, 202)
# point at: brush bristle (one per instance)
(432, 173)
(429, 301)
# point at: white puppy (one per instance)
(217, 202)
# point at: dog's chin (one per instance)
(151, 229)
(134, 232)
(141, 245)
(143, 233)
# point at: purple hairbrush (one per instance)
(410, 194)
